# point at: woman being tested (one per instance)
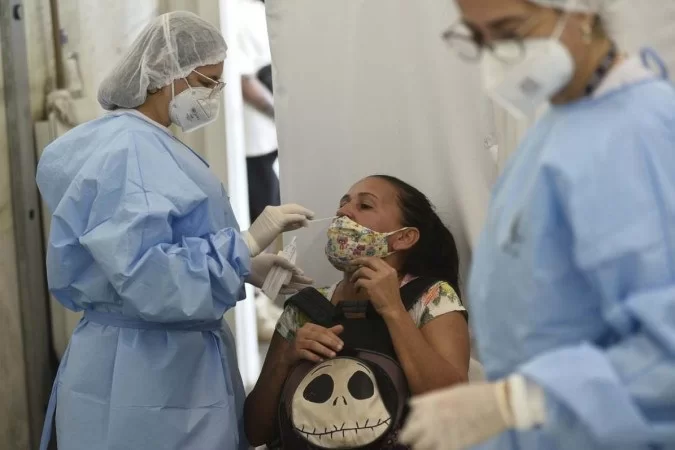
(573, 281)
(144, 241)
(386, 239)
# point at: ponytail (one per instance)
(435, 253)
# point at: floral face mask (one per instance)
(347, 241)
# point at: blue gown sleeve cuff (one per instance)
(232, 247)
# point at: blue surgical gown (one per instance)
(573, 280)
(142, 228)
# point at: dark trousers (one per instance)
(263, 183)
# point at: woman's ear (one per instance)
(405, 239)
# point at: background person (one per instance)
(253, 49)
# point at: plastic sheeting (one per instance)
(365, 87)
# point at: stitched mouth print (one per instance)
(345, 430)
(338, 405)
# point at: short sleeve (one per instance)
(244, 50)
(243, 58)
(438, 300)
(288, 323)
(292, 319)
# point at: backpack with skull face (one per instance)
(357, 399)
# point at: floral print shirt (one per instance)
(439, 299)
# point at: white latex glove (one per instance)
(466, 415)
(457, 418)
(261, 266)
(273, 221)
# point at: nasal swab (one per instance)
(321, 220)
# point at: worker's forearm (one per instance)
(257, 96)
(262, 404)
(424, 368)
(263, 107)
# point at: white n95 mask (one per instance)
(523, 87)
(194, 108)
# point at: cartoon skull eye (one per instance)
(319, 390)
(361, 386)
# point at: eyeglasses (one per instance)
(218, 85)
(470, 43)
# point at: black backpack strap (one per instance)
(311, 302)
(412, 291)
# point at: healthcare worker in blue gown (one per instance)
(144, 240)
(572, 287)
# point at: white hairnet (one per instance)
(169, 48)
(602, 8)
(591, 6)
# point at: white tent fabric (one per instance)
(646, 23)
(364, 87)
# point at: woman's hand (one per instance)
(315, 343)
(381, 282)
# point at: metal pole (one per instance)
(26, 211)
(56, 37)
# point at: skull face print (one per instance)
(338, 405)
